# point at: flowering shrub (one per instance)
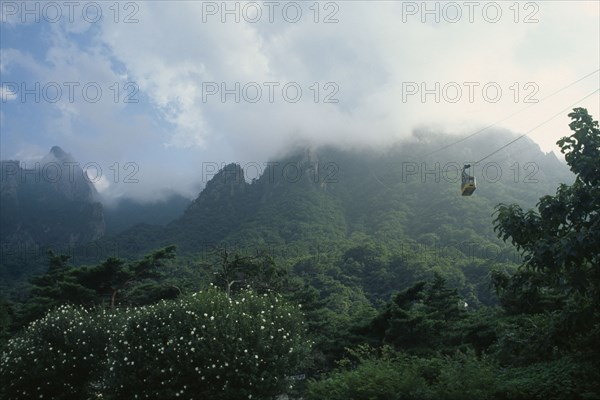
(206, 345)
(59, 356)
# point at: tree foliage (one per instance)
(114, 275)
(561, 240)
(100, 284)
(555, 296)
(205, 345)
(397, 376)
(259, 271)
(422, 319)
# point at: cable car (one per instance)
(468, 185)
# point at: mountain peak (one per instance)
(57, 152)
(229, 179)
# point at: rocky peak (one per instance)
(49, 201)
(224, 185)
(67, 177)
(59, 153)
(230, 178)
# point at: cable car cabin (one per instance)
(468, 185)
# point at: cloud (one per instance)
(368, 57)
(213, 91)
(6, 94)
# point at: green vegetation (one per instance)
(205, 345)
(407, 290)
(112, 282)
(398, 376)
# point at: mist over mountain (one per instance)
(305, 201)
(124, 213)
(51, 202)
(326, 200)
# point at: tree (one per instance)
(561, 240)
(115, 275)
(258, 271)
(57, 286)
(422, 319)
(558, 284)
(66, 284)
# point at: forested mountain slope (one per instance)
(47, 204)
(326, 195)
(398, 278)
(313, 208)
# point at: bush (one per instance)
(206, 345)
(59, 356)
(564, 378)
(396, 376)
(464, 376)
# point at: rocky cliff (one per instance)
(50, 202)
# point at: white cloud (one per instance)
(101, 183)
(368, 58)
(368, 54)
(6, 94)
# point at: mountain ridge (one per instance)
(229, 208)
(326, 200)
(56, 184)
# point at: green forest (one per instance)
(352, 275)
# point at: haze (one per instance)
(190, 84)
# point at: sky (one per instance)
(149, 96)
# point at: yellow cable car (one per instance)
(468, 185)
